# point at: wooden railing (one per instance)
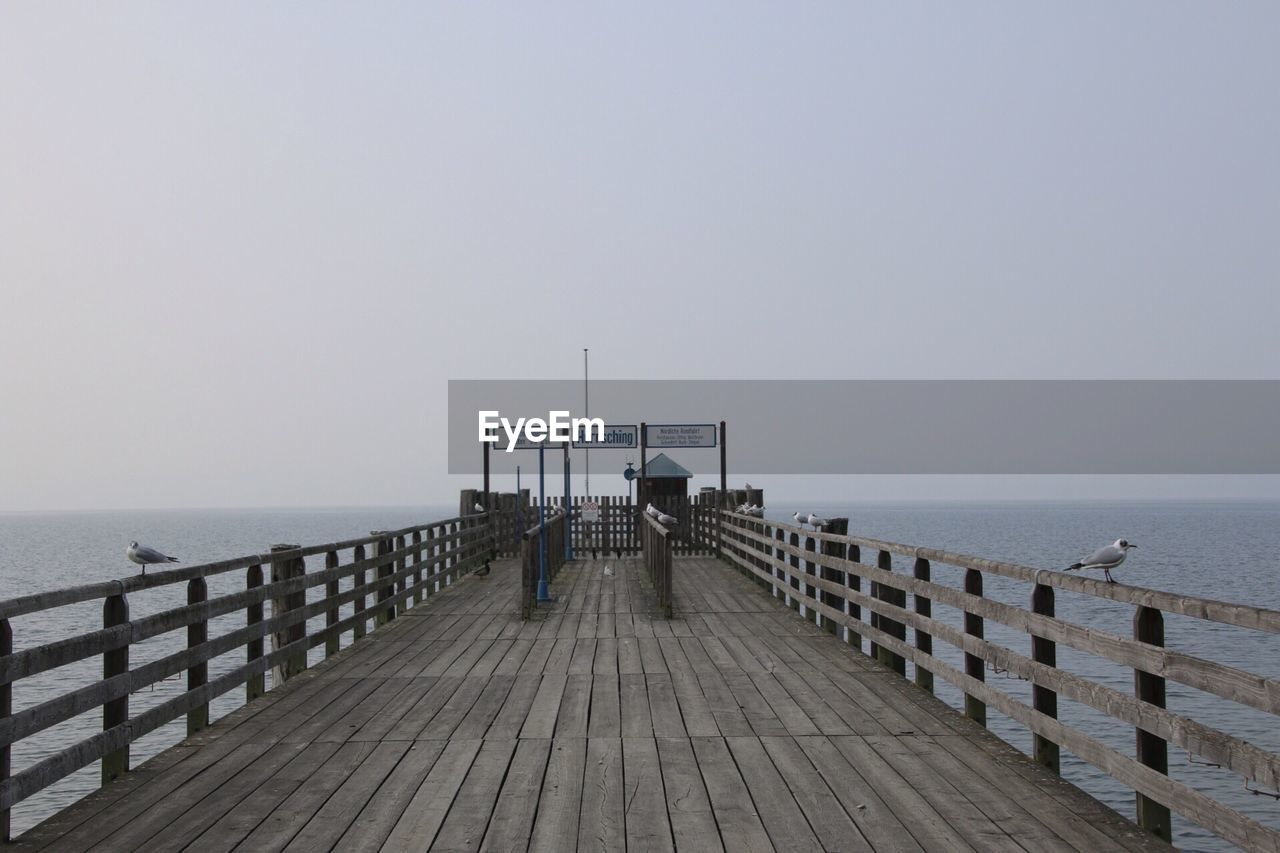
(384, 573)
(551, 547)
(656, 542)
(824, 572)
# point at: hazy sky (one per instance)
(243, 246)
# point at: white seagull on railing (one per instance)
(479, 507)
(818, 523)
(144, 556)
(668, 520)
(800, 520)
(653, 510)
(757, 511)
(1106, 558)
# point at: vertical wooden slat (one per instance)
(892, 627)
(6, 710)
(332, 640)
(197, 675)
(417, 567)
(1152, 751)
(794, 581)
(1043, 699)
(358, 629)
(853, 636)
(284, 569)
(924, 640)
(780, 555)
(811, 568)
(383, 569)
(974, 667)
(839, 527)
(256, 685)
(115, 611)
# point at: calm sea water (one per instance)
(1225, 550)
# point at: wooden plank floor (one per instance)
(735, 726)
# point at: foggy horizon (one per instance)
(246, 247)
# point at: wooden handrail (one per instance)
(825, 576)
(405, 567)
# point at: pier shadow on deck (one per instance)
(735, 725)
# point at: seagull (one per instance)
(608, 571)
(668, 520)
(1106, 558)
(653, 510)
(818, 523)
(144, 556)
(479, 507)
(757, 511)
(748, 485)
(799, 519)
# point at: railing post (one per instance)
(1152, 751)
(357, 580)
(924, 640)
(794, 581)
(839, 527)
(385, 568)
(255, 685)
(115, 611)
(974, 667)
(1043, 699)
(417, 567)
(779, 536)
(6, 709)
(197, 675)
(282, 570)
(892, 627)
(854, 582)
(810, 569)
(332, 640)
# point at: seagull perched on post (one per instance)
(144, 556)
(1106, 558)
(653, 510)
(818, 523)
(665, 519)
(800, 520)
(479, 507)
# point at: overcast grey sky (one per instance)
(243, 246)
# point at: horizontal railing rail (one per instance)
(384, 574)
(824, 572)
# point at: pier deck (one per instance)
(735, 725)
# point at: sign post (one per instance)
(544, 594)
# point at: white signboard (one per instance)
(590, 510)
(680, 435)
(616, 437)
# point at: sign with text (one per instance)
(616, 437)
(680, 435)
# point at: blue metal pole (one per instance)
(568, 505)
(544, 594)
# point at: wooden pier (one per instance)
(475, 719)
(734, 726)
